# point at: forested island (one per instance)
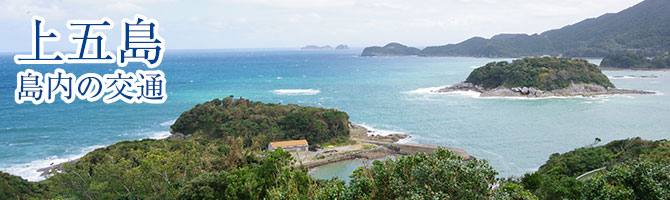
(633, 60)
(342, 47)
(539, 77)
(217, 154)
(391, 49)
(642, 28)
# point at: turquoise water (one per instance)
(515, 135)
(341, 169)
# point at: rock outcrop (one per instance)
(574, 89)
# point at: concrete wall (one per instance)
(411, 148)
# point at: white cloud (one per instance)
(293, 23)
(302, 18)
(294, 3)
(124, 7)
(25, 9)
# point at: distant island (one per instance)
(391, 49)
(325, 47)
(643, 28)
(315, 47)
(539, 77)
(342, 47)
(635, 61)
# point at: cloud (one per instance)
(287, 23)
(25, 9)
(294, 3)
(301, 18)
(124, 7)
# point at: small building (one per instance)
(291, 145)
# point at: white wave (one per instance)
(168, 123)
(433, 90)
(427, 90)
(405, 140)
(621, 77)
(474, 67)
(29, 171)
(372, 131)
(475, 94)
(296, 91)
(160, 135)
(468, 93)
(20, 144)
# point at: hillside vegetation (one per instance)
(632, 169)
(258, 123)
(544, 73)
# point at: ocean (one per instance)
(389, 94)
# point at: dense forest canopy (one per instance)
(261, 123)
(635, 60)
(631, 169)
(544, 73)
(198, 168)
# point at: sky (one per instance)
(232, 24)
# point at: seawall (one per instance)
(412, 148)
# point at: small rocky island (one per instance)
(391, 49)
(342, 47)
(315, 47)
(539, 77)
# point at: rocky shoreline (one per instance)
(575, 89)
(385, 146)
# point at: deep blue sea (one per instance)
(385, 93)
